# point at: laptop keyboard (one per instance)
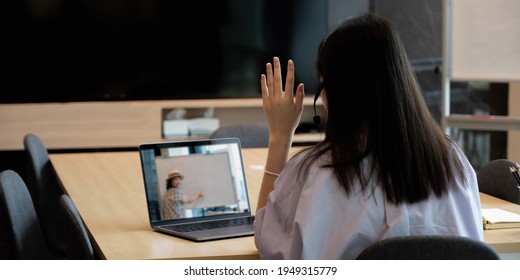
(212, 224)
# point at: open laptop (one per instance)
(213, 167)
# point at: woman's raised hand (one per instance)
(282, 109)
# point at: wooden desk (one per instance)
(503, 240)
(107, 188)
(108, 191)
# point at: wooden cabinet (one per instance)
(122, 124)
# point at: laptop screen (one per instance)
(194, 179)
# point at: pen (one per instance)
(515, 174)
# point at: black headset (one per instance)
(317, 119)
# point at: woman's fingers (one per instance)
(269, 77)
(277, 76)
(300, 94)
(282, 107)
(273, 76)
(289, 79)
(265, 92)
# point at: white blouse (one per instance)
(315, 219)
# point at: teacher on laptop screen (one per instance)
(174, 199)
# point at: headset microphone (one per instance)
(317, 119)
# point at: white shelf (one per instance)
(483, 122)
(482, 56)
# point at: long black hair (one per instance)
(375, 108)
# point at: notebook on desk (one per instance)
(212, 167)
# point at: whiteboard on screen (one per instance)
(208, 173)
(485, 40)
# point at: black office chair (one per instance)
(250, 135)
(21, 237)
(77, 239)
(45, 191)
(429, 247)
(495, 179)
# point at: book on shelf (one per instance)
(495, 218)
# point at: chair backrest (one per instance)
(429, 247)
(45, 191)
(250, 135)
(20, 233)
(77, 239)
(495, 179)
